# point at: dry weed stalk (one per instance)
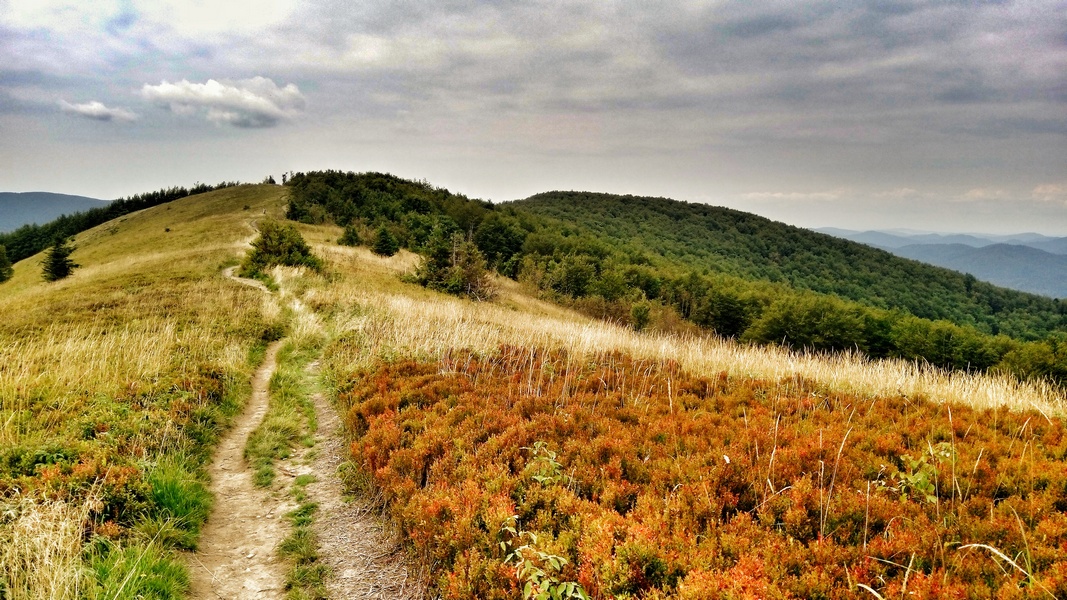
(41, 548)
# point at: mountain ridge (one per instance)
(25, 208)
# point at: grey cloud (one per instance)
(249, 103)
(97, 111)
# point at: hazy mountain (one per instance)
(1013, 266)
(898, 238)
(17, 209)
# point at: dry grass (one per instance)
(41, 549)
(416, 323)
(146, 312)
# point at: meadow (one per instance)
(114, 383)
(516, 443)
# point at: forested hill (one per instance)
(703, 237)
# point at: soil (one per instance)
(236, 558)
(364, 559)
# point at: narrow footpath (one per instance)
(236, 558)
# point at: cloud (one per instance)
(1051, 192)
(97, 111)
(248, 103)
(793, 196)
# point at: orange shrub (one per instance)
(655, 483)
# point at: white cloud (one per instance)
(97, 111)
(256, 102)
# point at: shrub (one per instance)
(278, 244)
(5, 266)
(385, 243)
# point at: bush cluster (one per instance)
(654, 483)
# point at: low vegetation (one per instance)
(115, 383)
(652, 482)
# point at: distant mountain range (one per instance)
(1028, 262)
(22, 208)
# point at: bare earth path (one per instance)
(236, 557)
(365, 563)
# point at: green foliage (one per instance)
(537, 570)
(57, 263)
(5, 266)
(385, 243)
(350, 237)
(135, 572)
(454, 265)
(652, 262)
(278, 244)
(181, 499)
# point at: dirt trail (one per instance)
(231, 273)
(365, 563)
(236, 557)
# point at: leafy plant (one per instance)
(537, 570)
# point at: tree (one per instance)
(5, 266)
(350, 237)
(57, 263)
(278, 244)
(453, 264)
(385, 243)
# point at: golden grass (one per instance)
(41, 548)
(147, 309)
(413, 322)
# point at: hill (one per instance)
(721, 240)
(23, 208)
(1011, 266)
(510, 443)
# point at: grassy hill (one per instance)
(507, 438)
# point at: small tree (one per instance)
(278, 244)
(385, 243)
(350, 237)
(454, 265)
(57, 263)
(5, 266)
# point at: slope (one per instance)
(22, 208)
(699, 237)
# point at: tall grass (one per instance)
(427, 326)
(41, 548)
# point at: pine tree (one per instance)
(384, 243)
(57, 263)
(5, 266)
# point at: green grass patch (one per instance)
(135, 571)
(307, 579)
(290, 419)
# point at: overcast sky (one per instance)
(928, 114)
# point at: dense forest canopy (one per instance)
(732, 242)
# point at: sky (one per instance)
(936, 115)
